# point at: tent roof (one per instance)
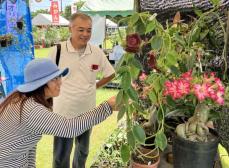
(108, 7)
(46, 19)
(111, 24)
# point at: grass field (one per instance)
(41, 53)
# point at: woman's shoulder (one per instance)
(30, 104)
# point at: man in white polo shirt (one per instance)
(78, 90)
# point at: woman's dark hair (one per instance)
(17, 97)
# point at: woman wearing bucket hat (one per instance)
(26, 114)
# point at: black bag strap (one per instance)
(58, 53)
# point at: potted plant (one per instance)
(155, 55)
(195, 142)
(6, 40)
(19, 24)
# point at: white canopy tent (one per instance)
(46, 20)
(111, 24)
(102, 8)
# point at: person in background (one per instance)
(78, 90)
(117, 52)
(26, 114)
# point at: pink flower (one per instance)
(142, 77)
(201, 91)
(183, 86)
(219, 98)
(187, 75)
(172, 89)
(219, 84)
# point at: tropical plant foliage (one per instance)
(158, 53)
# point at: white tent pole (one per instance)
(105, 43)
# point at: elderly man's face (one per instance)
(81, 32)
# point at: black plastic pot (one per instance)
(20, 25)
(188, 154)
(3, 43)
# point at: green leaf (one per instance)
(159, 115)
(203, 34)
(125, 98)
(122, 69)
(121, 113)
(136, 106)
(126, 80)
(157, 85)
(198, 12)
(179, 39)
(195, 34)
(140, 27)
(134, 18)
(215, 2)
(150, 27)
(170, 101)
(153, 97)
(134, 72)
(156, 42)
(190, 59)
(171, 58)
(132, 94)
(139, 134)
(136, 63)
(161, 140)
(125, 153)
(119, 97)
(131, 139)
(174, 70)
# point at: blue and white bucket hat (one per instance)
(38, 72)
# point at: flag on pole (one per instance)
(54, 10)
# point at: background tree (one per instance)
(33, 14)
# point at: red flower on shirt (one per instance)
(94, 66)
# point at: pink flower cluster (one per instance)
(210, 87)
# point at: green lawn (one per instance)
(41, 53)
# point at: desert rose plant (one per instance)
(205, 92)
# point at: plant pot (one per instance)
(20, 25)
(152, 155)
(188, 154)
(3, 43)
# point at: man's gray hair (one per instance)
(79, 15)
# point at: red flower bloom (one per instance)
(151, 61)
(133, 42)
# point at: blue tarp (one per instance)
(13, 58)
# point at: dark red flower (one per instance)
(133, 42)
(151, 61)
(94, 66)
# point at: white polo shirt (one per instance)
(78, 89)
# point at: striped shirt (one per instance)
(18, 139)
